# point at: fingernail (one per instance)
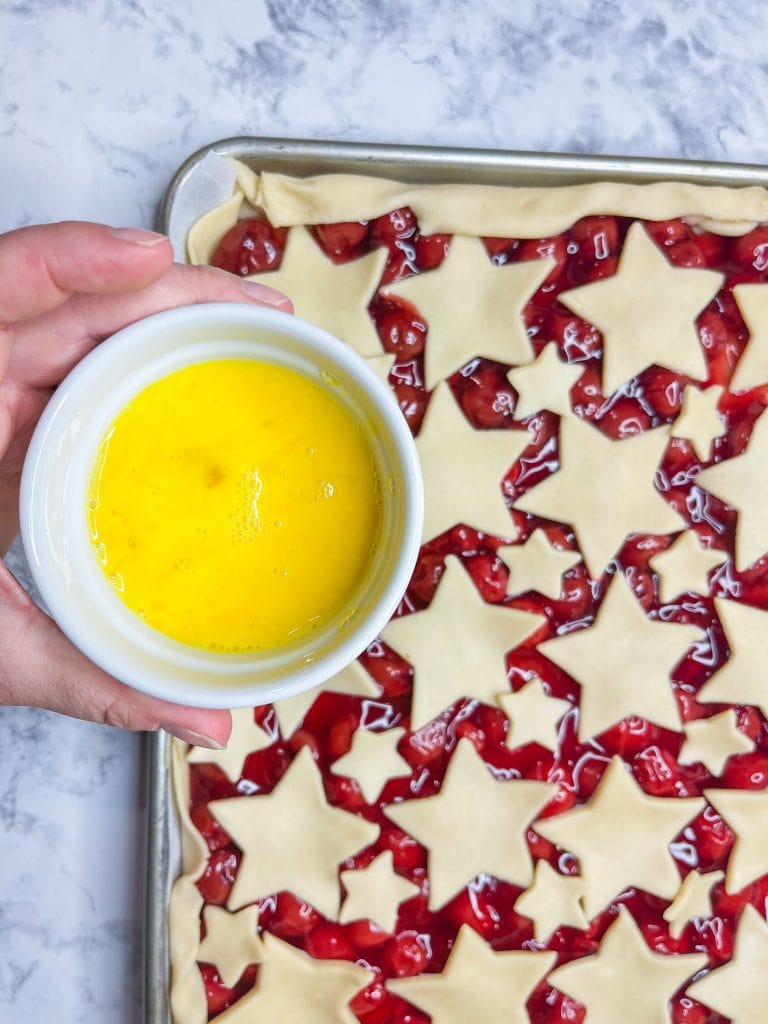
(195, 738)
(137, 236)
(267, 296)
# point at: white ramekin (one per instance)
(54, 523)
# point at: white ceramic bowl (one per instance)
(54, 525)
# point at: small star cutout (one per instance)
(352, 680)
(693, 900)
(372, 760)
(739, 990)
(272, 832)
(544, 384)
(684, 567)
(621, 837)
(646, 312)
(622, 498)
(698, 421)
(742, 679)
(477, 983)
(746, 813)
(617, 686)
(533, 716)
(463, 469)
(711, 741)
(294, 987)
(334, 296)
(742, 483)
(536, 565)
(245, 737)
(472, 307)
(374, 893)
(553, 901)
(231, 942)
(752, 368)
(494, 816)
(457, 645)
(624, 981)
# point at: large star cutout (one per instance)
(646, 312)
(739, 990)
(743, 483)
(711, 741)
(533, 716)
(699, 421)
(493, 816)
(245, 737)
(536, 565)
(603, 659)
(477, 983)
(457, 645)
(621, 837)
(553, 901)
(742, 679)
(293, 988)
(292, 839)
(693, 900)
(472, 307)
(624, 981)
(752, 369)
(374, 893)
(620, 499)
(746, 813)
(332, 295)
(372, 760)
(544, 384)
(231, 942)
(463, 469)
(352, 680)
(684, 567)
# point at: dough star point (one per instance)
(699, 421)
(739, 989)
(537, 565)
(553, 901)
(746, 814)
(245, 738)
(231, 942)
(711, 741)
(752, 368)
(693, 900)
(372, 760)
(741, 680)
(684, 567)
(375, 893)
(544, 384)
(533, 716)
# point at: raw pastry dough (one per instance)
(752, 369)
(746, 813)
(533, 716)
(742, 679)
(354, 680)
(711, 741)
(544, 384)
(699, 421)
(231, 942)
(684, 567)
(693, 900)
(372, 760)
(536, 565)
(245, 737)
(553, 901)
(375, 893)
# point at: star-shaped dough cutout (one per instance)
(603, 659)
(477, 983)
(743, 483)
(544, 384)
(273, 833)
(472, 307)
(494, 815)
(381, 365)
(646, 312)
(533, 716)
(684, 567)
(463, 469)
(246, 736)
(553, 901)
(353, 680)
(293, 987)
(752, 368)
(231, 942)
(457, 645)
(711, 741)
(372, 760)
(742, 679)
(739, 990)
(746, 813)
(621, 498)
(334, 296)
(698, 421)
(621, 837)
(536, 565)
(624, 981)
(693, 900)
(375, 893)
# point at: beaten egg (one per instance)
(234, 505)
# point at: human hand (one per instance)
(63, 289)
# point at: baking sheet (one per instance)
(205, 180)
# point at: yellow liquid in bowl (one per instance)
(234, 505)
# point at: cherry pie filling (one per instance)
(422, 938)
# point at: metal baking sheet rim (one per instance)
(407, 163)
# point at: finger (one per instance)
(39, 667)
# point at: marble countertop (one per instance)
(101, 100)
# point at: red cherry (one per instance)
(293, 917)
(413, 404)
(344, 240)
(431, 250)
(426, 576)
(407, 854)
(373, 1004)
(555, 248)
(474, 909)
(598, 237)
(365, 934)
(713, 839)
(667, 233)
(400, 327)
(305, 738)
(686, 1011)
(750, 251)
(329, 942)
(340, 736)
(217, 995)
(405, 955)
(250, 247)
(218, 878)
(390, 227)
(746, 771)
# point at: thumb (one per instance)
(39, 667)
